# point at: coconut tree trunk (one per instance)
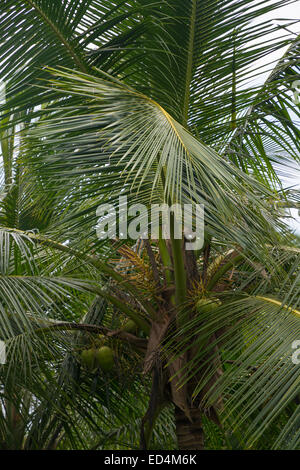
(189, 432)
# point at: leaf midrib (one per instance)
(189, 67)
(60, 36)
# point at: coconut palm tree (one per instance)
(162, 103)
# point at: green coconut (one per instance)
(104, 358)
(88, 358)
(207, 305)
(130, 327)
(101, 339)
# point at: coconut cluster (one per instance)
(98, 358)
(101, 356)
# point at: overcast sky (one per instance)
(288, 12)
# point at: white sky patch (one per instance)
(2, 92)
(288, 17)
(281, 16)
(2, 352)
